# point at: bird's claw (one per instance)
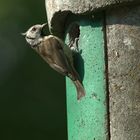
(74, 45)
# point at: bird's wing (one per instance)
(53, 53)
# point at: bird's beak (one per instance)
(24, 34)
(43, 25)
(44, 28)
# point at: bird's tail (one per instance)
(74, 76)
(80, 89)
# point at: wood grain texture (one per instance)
(123, 42)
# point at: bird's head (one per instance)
(34, 34)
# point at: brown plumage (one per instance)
(56, 54)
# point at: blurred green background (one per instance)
(32, 95)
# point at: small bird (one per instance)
(53, 50)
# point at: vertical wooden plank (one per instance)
(123, 41)
(87, 118)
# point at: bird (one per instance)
(56, 53)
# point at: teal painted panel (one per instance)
(87, 118)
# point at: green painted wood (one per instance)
(87, 118)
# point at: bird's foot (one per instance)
(74, 45)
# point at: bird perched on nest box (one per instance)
(53, 50)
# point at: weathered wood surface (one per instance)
(123, 42)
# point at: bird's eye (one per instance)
(33, 29)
